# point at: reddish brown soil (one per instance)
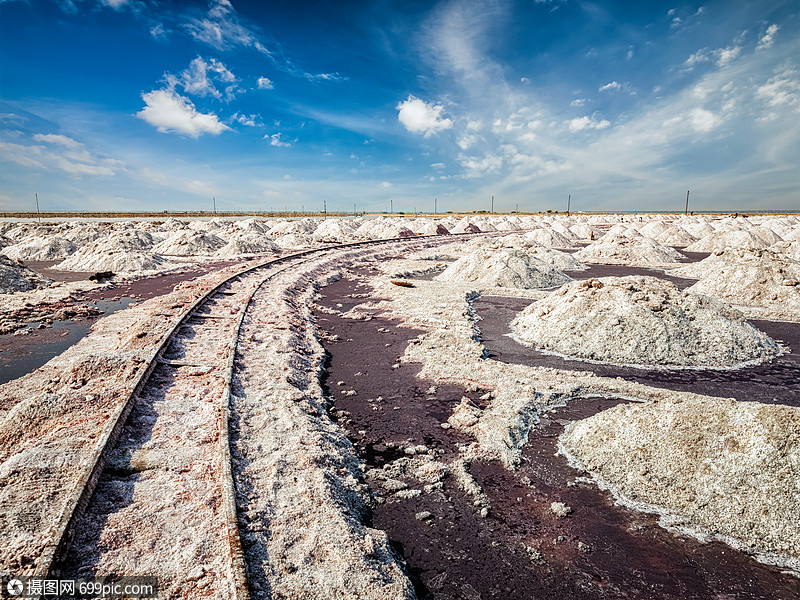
(458, 554)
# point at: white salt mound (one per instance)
(675, 236)
(749, 277)
(634, 250)
(641, 321)
(122, 241)
(41, 248)
(549, 238)
(503, 268)
(334, 230)
(736, 238)
(720, 467)
(189, 243)
(248, 243)
(16, 277)
(120, 261)
(560, 260)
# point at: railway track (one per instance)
(160, 437)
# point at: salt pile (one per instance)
(641, 321)
(465, 226)
(789, 249)
(212, 225)
(294, 241)
(558, 259)
(720, 468)
(302, 226)
(334, 230)
(675, 236)
(736, 238)
(81, 233)
(635, 250)
(749, 277)
(248, 243)
(4, 241)
(16, 277)
(121, 241)
(120, 261)
(189, 243)
(41, 248)
(503, 268)
(548, 238)
(430, 228)
(253, 226)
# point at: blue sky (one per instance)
(144, 105)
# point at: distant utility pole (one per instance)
(325, 208)
(492, 204)
(686, 212)
(517, 205)
(569, 199)
(354, 209)
(391, 205)
(214, 203)
(38, 214)
(434, 205)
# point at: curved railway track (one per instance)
(202, 341)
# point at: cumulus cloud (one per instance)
(720, 56)
(578, 102)
(170, 112)
(419, 116)
(264, 83)
(478, 167)
(586, 122)
(768, 39)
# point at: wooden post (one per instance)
(38, 214)
(324, 208)
(492, 204)
(434, 205)
(214, 203)
(686, 212)
(569, 200)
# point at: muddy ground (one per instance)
(521, 549)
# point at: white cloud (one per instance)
(264, 83)
(612, 86)
(59, 152)
(768, 38)
(438, 165)
(170, 112)
(726, 55)
(275, 140)
(421, 117)
(61, 140)
(115, 4)
(386, 184)
(782, 89)
(197, 79)
(158, 31)
(478, 167)
(247, 120)
(578, 102)
(703, 120)
(586, 122)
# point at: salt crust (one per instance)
(504, 268)
(45, 415)
(717, 468)
(641, 321)
(16, 277)
(761, 282)
(298, 467)
(633, 250)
